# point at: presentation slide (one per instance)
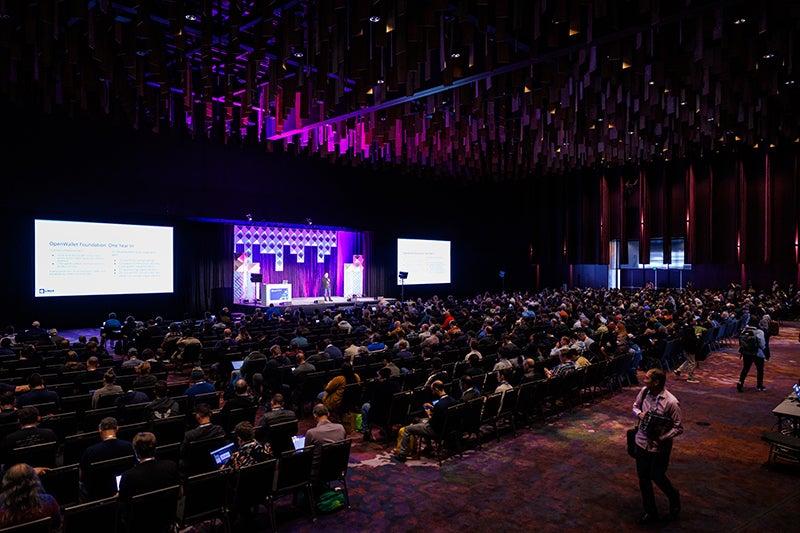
(90, 259)
(427, 262)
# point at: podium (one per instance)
(277, 293)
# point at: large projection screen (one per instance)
(90, 259)
(426, 262)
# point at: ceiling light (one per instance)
(740, 21)
(789, 82)
(191, 18)
(375, 18)
(768, 56)
(298, 54)
(381, 81)
(455, 55)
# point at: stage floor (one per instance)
(309, 305)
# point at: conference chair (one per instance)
(206, 497)
(152, 512)
(93, 516)
(41, 525)
(333, 462)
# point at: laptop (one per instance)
(237, 365)
(299, 442)
(221, 455)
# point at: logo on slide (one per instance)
(46, 291)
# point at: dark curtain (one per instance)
(204, 266)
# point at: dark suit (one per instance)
(37, 396)
(206, 431)
(276, 416)
(107, 449)
(148, 476)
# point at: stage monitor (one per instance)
(425, 262)
(91, 259)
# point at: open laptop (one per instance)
(221, 455)
(237, 365)
(299, 442)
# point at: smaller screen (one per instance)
(426, 262)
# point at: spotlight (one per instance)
(374, 18)
(249, 217)
(309, 221)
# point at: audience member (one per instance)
(150, 473)
(24, 500)
(109, 388)
(249, 451)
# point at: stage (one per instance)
(312, 304)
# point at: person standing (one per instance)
(326, 288)
(751, 350)
(660, 421)
(689, 340)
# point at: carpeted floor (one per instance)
(571, 472)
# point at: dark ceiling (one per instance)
(472, 89)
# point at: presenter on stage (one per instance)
(326, 288)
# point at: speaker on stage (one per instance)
(256, 278)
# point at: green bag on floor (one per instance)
(330, 501)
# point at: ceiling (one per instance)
(470, 90)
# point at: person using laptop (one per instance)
(325, 431)
(109, 447)
(249, 451)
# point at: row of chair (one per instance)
(524, 403)
(206, 496)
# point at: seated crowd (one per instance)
(134, 401)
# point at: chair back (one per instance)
(63, 484)
(75, 444)
(169, 430)
(62, 424)
(88, 516)
(279, 436)
(153, 512)
(491, 407)
(197, 455)
(100, 477)
(294, 471)
(41, 525)
(253, 483)
(333, 461)
(35, 455)
(211, 398)
(205, 495)
(107, 400)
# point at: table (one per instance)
(788, 413)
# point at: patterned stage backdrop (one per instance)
(264, 249)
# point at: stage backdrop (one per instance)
(298, 255)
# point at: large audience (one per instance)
(285, 359)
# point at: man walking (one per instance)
(660, 421)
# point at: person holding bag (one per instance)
(660, 421)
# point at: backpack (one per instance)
(330, 501)
(748, 342)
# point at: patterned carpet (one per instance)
(571, 472)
